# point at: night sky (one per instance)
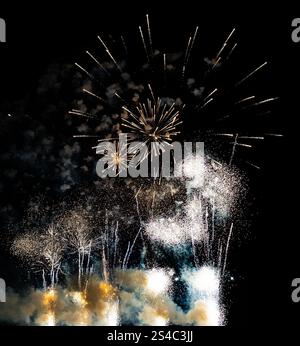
(39, 156)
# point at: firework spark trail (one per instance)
(83, 114)
(132, 246)
(53, 253)
(252, 165)
(209, 95)
(213, 223)
(231, 52)
(224, 44)
(80, 240)
(85, 136)
(140, 220)
(97, 62)
(125, 257)
(165, 67)
(216, 63)
(149, 34)
(233, 149)
(220, 256)
(251, 74)
(85, 71)
(186, 56)
(244, 99)
(227, 248)
(109, 54)
(124, 45)
(92, 94)
(43, 252)
(261, 102)
(190, 45)
(207, 103)
(144, 43)
(116, 240)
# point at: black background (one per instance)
(39, 34)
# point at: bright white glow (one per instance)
(213, 313)
(160, 321)
(204, 286)
(179, 230)
(217, 188)
(158, 281)
(204, 280)
(167, 231)
(50, 320)
(194, 171)
(113, 314)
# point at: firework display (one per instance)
(144, 250)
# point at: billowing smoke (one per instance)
(134, 297)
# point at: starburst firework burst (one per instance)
(184, 93)
(153, 122)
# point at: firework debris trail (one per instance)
(108, 289)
